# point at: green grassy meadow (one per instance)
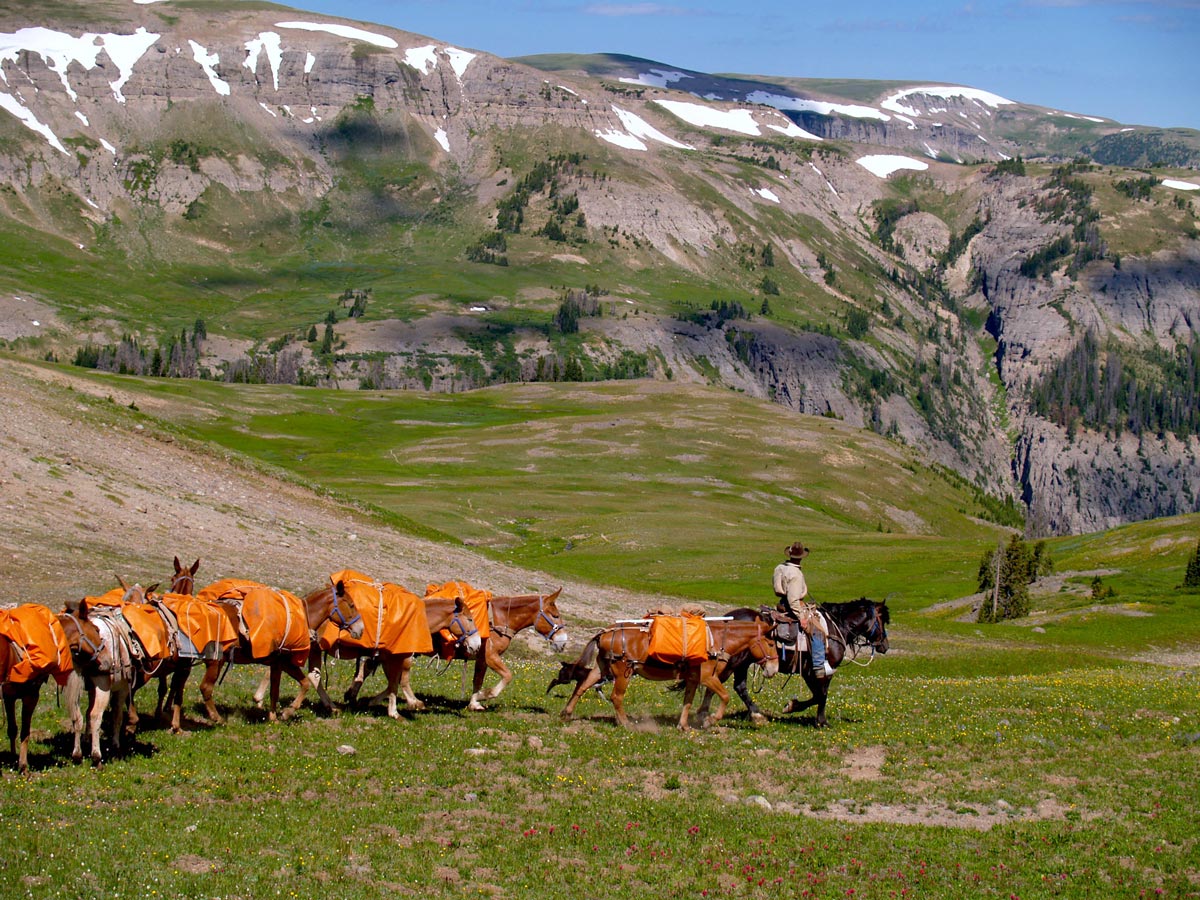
(1054, 757)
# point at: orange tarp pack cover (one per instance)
(674, 639)
(274, 621)
(37, 631)
(393, 617)
(207, 630)
(474, 599)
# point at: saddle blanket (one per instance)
(393, 618)
(41, 642)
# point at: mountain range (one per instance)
(239, 190)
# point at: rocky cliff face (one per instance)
(127, 109)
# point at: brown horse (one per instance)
(106, 665)
(273, 639)
(33, 648)
(440, 613)
(510, 615)
(621, 651)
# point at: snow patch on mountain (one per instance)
(821, 107)
(659, 78)
(267, 42)
(60, 49)
(945, 92)
(738, 120)
(208, 61)
(346, 31)
(883, 165)
(636, 129)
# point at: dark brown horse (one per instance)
(509, 616)
(107, 667)
(33, 648)
(854, 627)
(441, 613)
(621, 651)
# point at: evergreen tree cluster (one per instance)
(491, 248)
(1018, 566)
(1068, 200)
(1099, 389)
(179, 359)
(574, 306)
(1191, 578)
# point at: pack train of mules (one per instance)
(112, 645)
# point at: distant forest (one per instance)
(1108, 389)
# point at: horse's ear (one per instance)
(121, 582)
(339, 589)
(195, 566)
(459, 606)
(153, 587)
(82, 610)
(178, 566)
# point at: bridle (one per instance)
(871, 638)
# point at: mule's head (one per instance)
(184, 579)
(462, 626)
(341, 609)
(763, 651)
(549, 622)
(88, 651)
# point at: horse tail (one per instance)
(587, 659)
(72, 696)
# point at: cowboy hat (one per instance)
(796, 551)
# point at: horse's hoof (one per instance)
(77, 758)
(793, 705)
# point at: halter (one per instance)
(464, 633)
(555, 627)
(178, 582)
(336, 610)
(542, 615)
(83, 638)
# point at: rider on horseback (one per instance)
(791, 589)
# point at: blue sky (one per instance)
(1137, 61)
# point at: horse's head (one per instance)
(134, 593)
(334, 604)
(88, 651)
(184, 579)
(867, 623)
(763, 651)
(462, 626)
(549, 622)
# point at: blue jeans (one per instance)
(816, 641)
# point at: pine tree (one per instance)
(1191, 580)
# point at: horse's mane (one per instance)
(840, 610)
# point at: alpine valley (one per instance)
(241, 191)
